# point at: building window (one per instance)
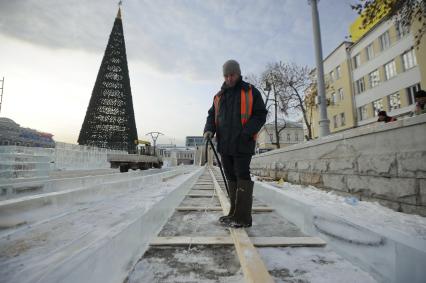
(373, 78)
(362, 113)
(410, 93)
(340, 94)
(409, 59)
(342, 119)
(401, 30)
(370, 52)
(390, 70)
(333, 99)
(394, 101)
(288, 137)
(384, 40)
(377, 106)
(338, 72)
(335, 121)
(332, 78)
(296, 136)
(359, 86)
(357, 61)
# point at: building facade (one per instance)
(12, 133)
(292, 134)
(381, 70)
(194, 141)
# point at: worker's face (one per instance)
(231, 79)
(381, 118)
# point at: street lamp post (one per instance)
(154, 137)
(324, 123)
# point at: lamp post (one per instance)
(154, 136)
(324, 123)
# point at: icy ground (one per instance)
(34, 250)
(368, 214)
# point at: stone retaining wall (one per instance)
(382, 162)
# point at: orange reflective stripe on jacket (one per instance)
(246, 106)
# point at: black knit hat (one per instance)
(231, 67)
(420, 93)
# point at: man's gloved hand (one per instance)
(208, 135)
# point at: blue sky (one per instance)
(50, 54)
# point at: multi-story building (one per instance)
(380, 70)
(194, 141)
(385, 72)
(340, 105)
(12, 133)
(292, 134)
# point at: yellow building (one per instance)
(384, 70)
(340, 107)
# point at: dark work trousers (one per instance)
(236, 167)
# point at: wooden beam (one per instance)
(253, 267)
(287, 242)
(185, 241)
(199, 195)
(218, 208)
(257, 241)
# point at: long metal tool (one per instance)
(218, 162)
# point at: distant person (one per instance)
(383, 117)
(236, 116)
(420, 97)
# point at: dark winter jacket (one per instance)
(232, 138)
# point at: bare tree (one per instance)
(270, 85)
(294, 81)
(404, 12)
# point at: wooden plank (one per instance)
(202, 189)
(253, 267)
(218, 208)
(287, 242)
(199, 195)
(185, 241)
(257, 241)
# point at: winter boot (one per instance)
(232, 187)
(244, 200)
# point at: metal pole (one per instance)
(324, 123)
(1, 94)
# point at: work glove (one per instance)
(208, 135)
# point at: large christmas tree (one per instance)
(110, 120)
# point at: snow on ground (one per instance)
(37, 248)
(368, 214)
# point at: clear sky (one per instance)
(50, 53)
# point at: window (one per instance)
(410, 93)
(384, 40)
(401, 30)
(288, 137)
(359, 86)
(390, 70)
(409, 59)
(342, 119)
(296, 136)
(340, 94)
(338, 72)
(332, 78)
(373, 78)
(335, 121)
(362, 113)
(394, 101)
(333, 99)
(370, 52)
(357, 61)
(377, 106)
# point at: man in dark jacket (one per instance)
(235, 135)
